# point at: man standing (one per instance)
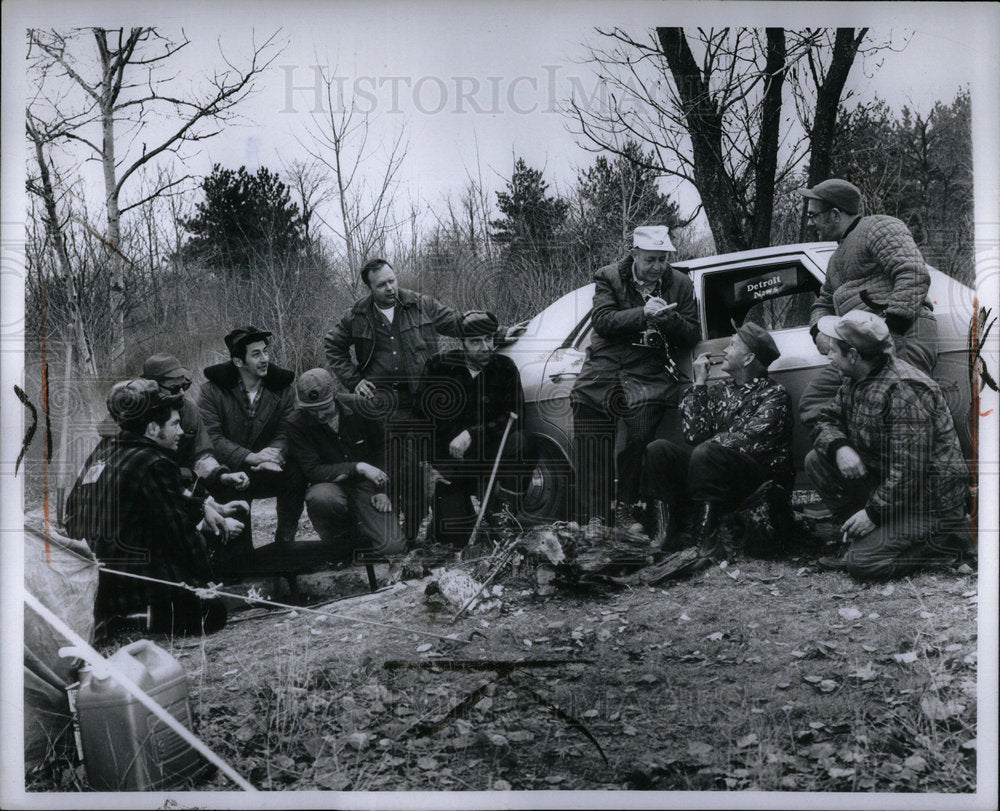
(643, 308)
(341, 456)
(741, 433)
(393, 332)
(129, 504)
(469, 395)
(245, 404)
(877, 267)
(886, 458)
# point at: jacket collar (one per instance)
(625, 270)
(227, 376)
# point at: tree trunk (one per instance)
(704, 125)
(767, 156)
(824, 128)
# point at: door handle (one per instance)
(558, 376)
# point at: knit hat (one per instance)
(130, 401)
(477, 322)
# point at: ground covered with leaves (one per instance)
(757, 675)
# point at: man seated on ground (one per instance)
(468, 395)
(195, 453)
(741, 433)
(245, 403)
(341, 454)
(129, 505)
(886, 457)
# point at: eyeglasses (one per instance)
(178, 388)
(811, 215)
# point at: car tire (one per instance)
(547, 499)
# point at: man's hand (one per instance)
(381, 502)
(858, 525)
(460, 444)
(273, 467)
(268, 455)
(823, 343)
(655, 305)
(365, 389)
(231, 508)
(215, 521)
(233, 528)
(849, 463)
(373, 474)
(700, 368)
(238, 481)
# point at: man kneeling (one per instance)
(741, 430)
(341, 455)
(886, 457)
(129, 505)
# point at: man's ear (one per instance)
(237, 362)
(152, 429)
(750, 358)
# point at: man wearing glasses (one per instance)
(877, 267)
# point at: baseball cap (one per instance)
(314, 389)
(241, 336)
(861, 329)
(652, 238)
(759, 341)
(836, 193)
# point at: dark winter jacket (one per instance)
(129, 505)
(898, 422)
(224, 411)
(324, 455)
(421, 320)
(612, 358)
(450, 399)
(879, 257)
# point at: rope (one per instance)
(211, 592)
(84, 651)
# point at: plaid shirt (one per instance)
(251, 404)
(129, 506)
(755, 417)
(900, 425)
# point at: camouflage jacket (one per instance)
(755, 417)
(899, 423)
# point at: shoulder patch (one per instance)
(93, 473)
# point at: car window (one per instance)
(776, 297)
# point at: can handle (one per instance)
(98, 667)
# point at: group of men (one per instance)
(168, 494)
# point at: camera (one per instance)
(653, 339)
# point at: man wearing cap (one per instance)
(244, 404)
(468, 395)
(741, 433)
(886, 457)
(393, 332)
(130, 506)
(877, 267)
(640, 303)
(341, 455)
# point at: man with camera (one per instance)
(643, 309)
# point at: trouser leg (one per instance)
(377, 532)
(843, 496)
(329, 509)
(819, 391)
(407, 446)
(175, 610)
(640, 426)
(918, 346)
(593, 462)
(454, 517)
(723, 475)
(664, 471)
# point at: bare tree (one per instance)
(708, 104)
(362, 181)
(123, 90)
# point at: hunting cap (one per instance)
(836, 193)
(163, 368)
(314, 389)
(759, 341)
(861, 329)
(241, 336)
(652, 238)
(477, 322)
(130, 401)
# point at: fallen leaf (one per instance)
(425, 647)
(501, 785)
(358, 740)
(926, 615)
(230, 673)
(937, 710)
(783, 685)
(427, 763)
(799, 654)
(746, 740)
(915, 763)
(837, 773)
(905, 658)
(245, 733)
(591, 714)
(887, 591)
(716, 637)
(520, 736)
(865, 673)
(333, 781)
(629, 730)
(850, 613)
(813, 679)
(828, 685)
(684, 618)
(969, 745)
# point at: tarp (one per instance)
(62, 574)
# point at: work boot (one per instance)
(631, 516)
(665, 525)
(706, 535)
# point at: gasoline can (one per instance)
(125, 746)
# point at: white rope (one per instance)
(83, 650)
(213, 592)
